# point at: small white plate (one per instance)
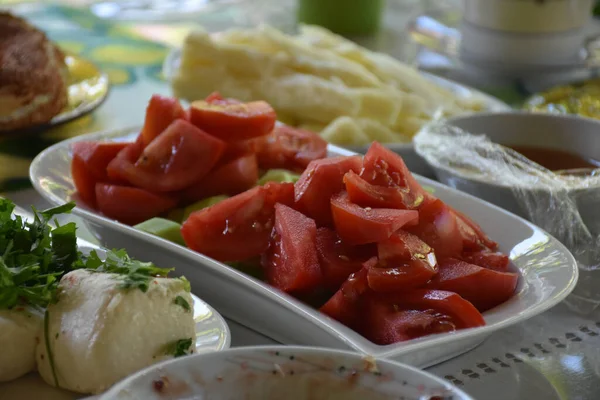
(548, 270)
(212, 335)
(308, 372)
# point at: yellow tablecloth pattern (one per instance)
(133, 64)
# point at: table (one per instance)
(553, 356)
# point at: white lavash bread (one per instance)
(100, 333)
(20, 329)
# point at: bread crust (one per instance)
(33, 75)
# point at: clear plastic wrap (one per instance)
(566, 204)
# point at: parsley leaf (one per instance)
(179, 348)
(180, 301)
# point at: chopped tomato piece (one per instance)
(346, 304)
(131, 205)
(488, 259)
(366, 194)
(438, 228)
(405, 261)
(88, 166)
(237, 228)
(357, 225)
(473, 236)
(233, 121)
(180, 156)
(216, 98)
(382, 167)
(321, 180)
(291, 263)
(339, 260)
(230, 179)
(483, 287)
(289, 148)
(160, 113)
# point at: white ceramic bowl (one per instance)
(282, 372)
(548, 270)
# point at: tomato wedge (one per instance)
(339, 260)
(483, 287)
(230, 121)
(291, 264)
(366, 194)
(289, 148)
(357, 225)
(160, 113)
(88, 166)
(346, 304)
(386, 169)
(216, 98)
(405, 262)
(321, 180)
(237, 228)
(131, 205)
(180, 156)
(230, 179)
(487, 259)
(438, 228)
(473, 236)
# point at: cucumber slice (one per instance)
(278, 175)
(204, 203)
(163, 228)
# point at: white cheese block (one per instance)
(19, 331)
(99, 333)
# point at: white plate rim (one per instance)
(330, 326)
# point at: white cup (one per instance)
(526, 32)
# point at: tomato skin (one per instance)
(230, 121)
(321, 180)
(291, 263)
(229, 179)
(289, 148)
(382, 167)
(160, 113)
(339, 260)
(487, 259)
(404, 262)
(180, 156)
(238, 228)
(483, 287)
(130, 205)
(366, 194)
(438, 228)
(474, 237)
(84, 180)
(357, 225)
(346, 305)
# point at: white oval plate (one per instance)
(406, 150)
(251, 372)
(548, 271)
(212, 335)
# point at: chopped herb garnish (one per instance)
(180, 301)
(179, 348)
(34, 255)
(136, 274)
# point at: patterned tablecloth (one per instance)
(553, 356)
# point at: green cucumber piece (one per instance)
(163, 228)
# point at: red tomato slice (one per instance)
(484, 288)
(405, 261)
(291, 263)
(131, 205)
(473, 236)
(357, 225)
(239, 227)
(321, 180)
(387, 324)
(230, 179)
(160, 113)
(180, 156)
(488, 259)
(339, 260)
(216, 98)
(233, 121)
(289, 148)
(88, 166)
(366, 194)
(345, 305)
(384, 168)
(438, 228)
